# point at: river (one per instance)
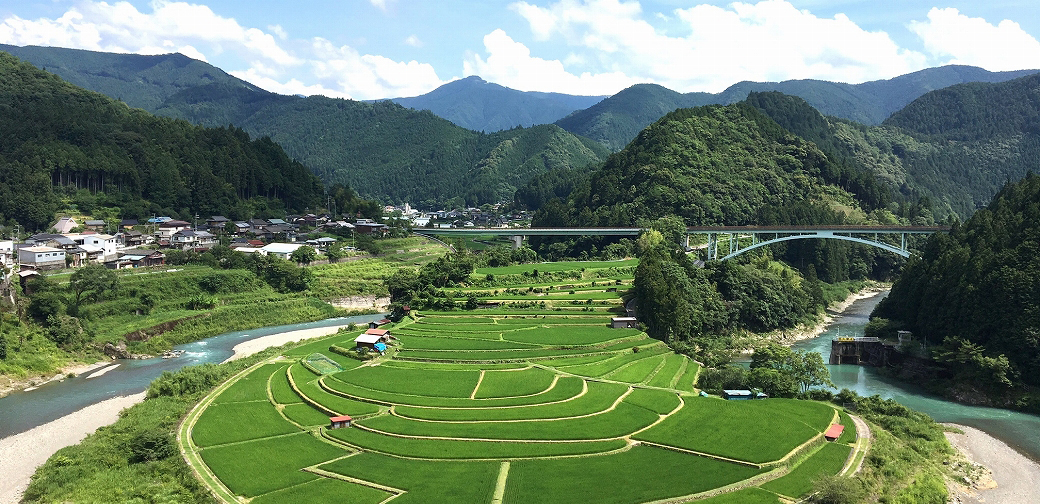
(1019, 430)
(23, 410)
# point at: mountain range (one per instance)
(949, 146)
(382, 149)
(616, 120)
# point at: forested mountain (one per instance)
(63, 142)
(616, 120)
(389, 151)
(955, 147)
(712, 165)
(476, 104)
(973, 296)
(382, 149)
(141, 81)
(724, 165)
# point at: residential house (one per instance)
(371, 228)
(96, 225)
(138, 259)
(132, 238)
(65, 225)
(257, 226)
(217, 222)
(188, 239)
(169, 228)
(322, 243)
(41, 257)
(128, 224)
(52, 240)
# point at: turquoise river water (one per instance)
(1019, 430)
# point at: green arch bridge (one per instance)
(727, 241)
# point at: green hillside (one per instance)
(618, 119)
(713, 165)
(62, 143)
(141, 81)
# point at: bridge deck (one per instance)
(634, 231)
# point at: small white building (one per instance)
(7, 252)
(281, 250)
(42, 258)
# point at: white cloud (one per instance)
(960, 39)
(370, 76)
(413, 41)
(290, 87)
(380, 4)
(315, 67)
(120, 27)
(768, 40)
(510, 64)
(279, 31)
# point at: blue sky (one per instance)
(368, 49)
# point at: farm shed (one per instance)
(340, 421)
(375, 324)
(834, 432)
(372, 338)
(737, 395)
(623, 322)
(382, 333)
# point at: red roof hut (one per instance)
(834, 432)
(340, 421)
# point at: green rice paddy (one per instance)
(504, 405)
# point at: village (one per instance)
(133, 243)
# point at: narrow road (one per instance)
(862, 443)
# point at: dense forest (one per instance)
(950, 150)
(973, 297)
(388, 151)
(713, 165)
(64, 143)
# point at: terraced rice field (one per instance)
(502, 406)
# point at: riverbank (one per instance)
(791, 336)
(26, 451)
(9, 385)
(257, 345)
(23, 453)
(1012, 477)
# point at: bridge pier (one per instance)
(518, 241)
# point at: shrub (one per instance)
(147, 446)
(189, 380)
